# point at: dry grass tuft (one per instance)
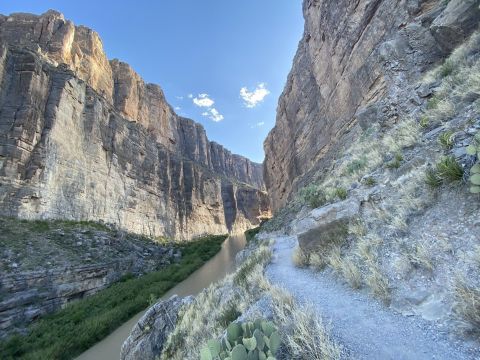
(304, 334)
(378, 284)
(351, 273)
(299, 258)
(420, 256)
(466, 307)
(317, 262)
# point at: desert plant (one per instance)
(378, 284)
(424, 122)
(447, 139)
(341, 193)
(432, 103)
(466, 306)
(432, 179)
(395, 162)
(475, 179)
(474, 150)
(351, 273)
(447, 67)
(449, 169)
(317, 262)
(299, 258)
(307, 337)
(313, 196)
(370, 181)
(357, 165)
(255, 340)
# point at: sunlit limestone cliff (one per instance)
(85, 138)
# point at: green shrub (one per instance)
(370, 181)
(447, 139)
(249, 340)
(341, 193)
(449, 169)
(229, 315)
(313, 196)
(447, 68)
(432, 103)
(432, 179)
(250, 233)
(396, 162)
(424, 122)
(72, 330)
(357, 165)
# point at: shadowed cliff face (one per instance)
(357, 63)
(85, 138)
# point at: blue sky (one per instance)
(209, 49)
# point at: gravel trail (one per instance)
(365, 328)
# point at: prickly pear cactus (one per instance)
(257, 340)
(474, 150)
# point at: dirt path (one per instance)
(365, 328)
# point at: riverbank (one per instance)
(81, 324)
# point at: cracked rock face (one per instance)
(150, 333)
(355, 58)
(85, 138)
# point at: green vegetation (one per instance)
(370, 181)
(475, 179)
(81, 324)
(432, 179)
(250, 234)
(447, 68)
(357, 165)
(249, 340)
(474, 150)
(341, 193)
(424, 122)
(447, 139)
(313, 196)
(395, 162)
(449, 169)
(446, 170)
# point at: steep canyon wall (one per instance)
(85, 138)
(357, 64)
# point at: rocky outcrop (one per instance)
(42, 271)
(148, 336)
(356, 63)
(323, 225)
(85, 138)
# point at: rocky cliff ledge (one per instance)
(85, 138)
(356, 63)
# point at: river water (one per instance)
(213, 270)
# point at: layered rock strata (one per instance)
(85, 138)
(357, 63)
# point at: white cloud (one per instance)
(258, 124)
(178, 108)
(213, 114)
(203, 100)
(179, 97)
(253, 98)
(190, 96)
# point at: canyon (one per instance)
(371, 172)
(85, 138)
(356, 65)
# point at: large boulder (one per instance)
(325, 225)
(148, 336)
(456, 23)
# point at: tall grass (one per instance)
(81, 324)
